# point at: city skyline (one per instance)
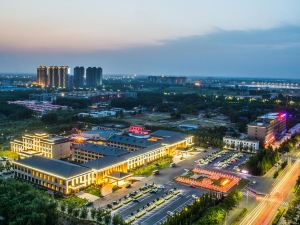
(253, 38)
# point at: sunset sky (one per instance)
(192, 37)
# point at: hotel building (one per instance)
(101, 164)
(268, 128)
(53, 174)
(42, 144)
(86, 151)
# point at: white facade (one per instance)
(101, 114)
(56, 147)
(237, 143)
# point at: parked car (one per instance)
(155, 172)
(170, 213)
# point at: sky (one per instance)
(171, 37)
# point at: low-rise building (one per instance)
(39, 107)
(53, 174)
(102, 164)
(241, 144)
(86, 151)
(49, 146)
(100, 114)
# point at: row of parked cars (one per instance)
(211, 157)
(232, 158)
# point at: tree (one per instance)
(20, 203)
(93, 213)
(63, 207)
(118, 220)
(8, 165)
(76, 212)
(107, 218)
(84, 212)
(70, 209)
(49, 118)
(72, 102)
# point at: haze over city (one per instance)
(195, 38)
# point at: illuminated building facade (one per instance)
(268, 128)
(136, 129)
(241, 144)
(86, 151)
(50, 147)
(53, 174)
(42, 77)
(100, 164)
(53, 76)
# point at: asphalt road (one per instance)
(159, 214)
(267, 208)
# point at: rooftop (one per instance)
(102, 149)
(266, 119)
(54, 166)
(143, 143)
(106, 161)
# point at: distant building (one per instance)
(241, 144)
(43, 97)
(78, 80)
(38, 107)
(50, 147)
(197, 83)
(42, 76)
(70, 81)
(268, 128)
(94, 77)
(101, 114)
(58, 77)
(168, 80)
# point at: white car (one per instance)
(194, 196)
(170, 213)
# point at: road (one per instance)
(159, 214)
(265, 211)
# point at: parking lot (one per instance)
(138, 209)
(160, 212)
(226, 160)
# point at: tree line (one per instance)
(261, 162)
(209, 209)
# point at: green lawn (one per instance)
(9, 154)
(75, 201)
(156, 165)
(94, 191)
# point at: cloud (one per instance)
(263, 53)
